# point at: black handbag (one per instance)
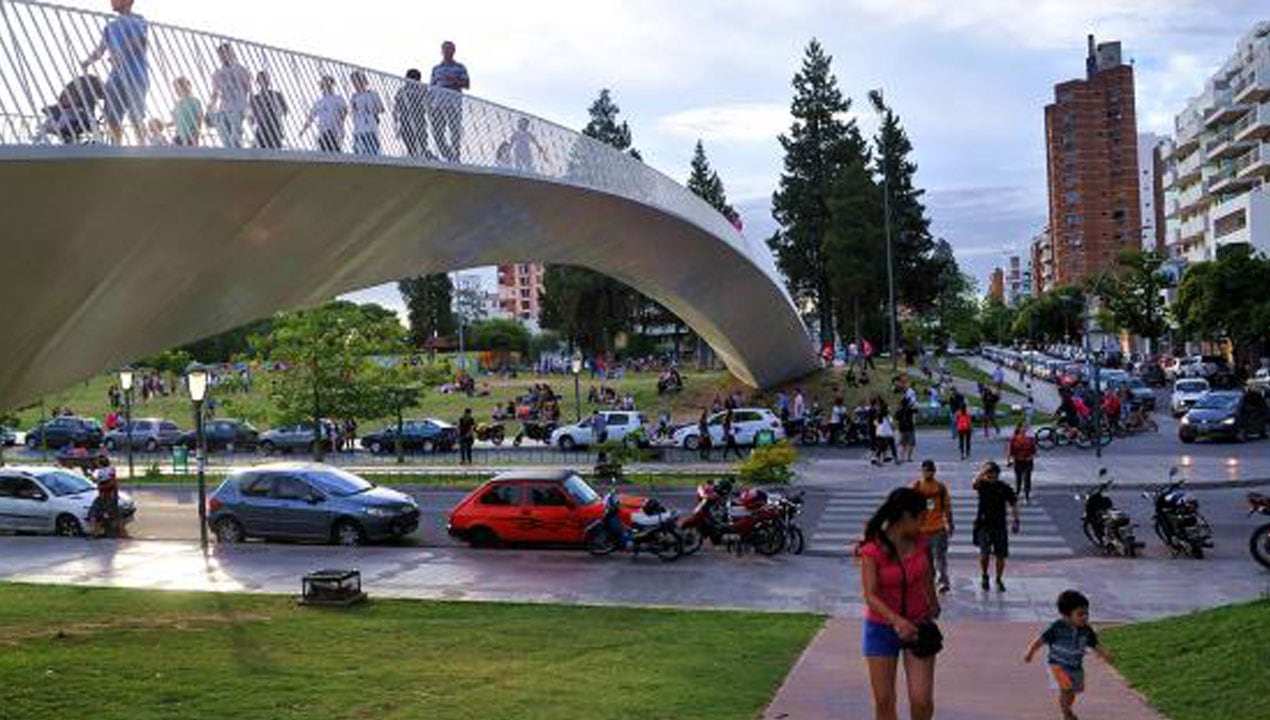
(930, 639)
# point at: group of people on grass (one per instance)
(904, 571)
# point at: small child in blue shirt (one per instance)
(1067, 639)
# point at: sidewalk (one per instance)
(979, 676)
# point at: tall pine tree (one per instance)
(429, 306)
(704, 181)
(587, 307)
(820, 143)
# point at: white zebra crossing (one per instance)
(844, 515)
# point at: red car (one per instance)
(551, 507)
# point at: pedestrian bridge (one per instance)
(113, 248)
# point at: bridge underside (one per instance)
(109, 255)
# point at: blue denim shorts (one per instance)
(880, 640)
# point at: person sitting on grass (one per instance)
(1067, 639)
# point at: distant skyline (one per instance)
(970, 79)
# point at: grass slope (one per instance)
(1211, 665)
(149, 655)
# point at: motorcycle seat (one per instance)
(643, 519)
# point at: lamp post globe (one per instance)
(196, 382)
(125, 384)
(576, 366)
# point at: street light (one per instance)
(196, 379)
(125, 384)
(875, 96)
(577, 386)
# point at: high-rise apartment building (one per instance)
(520, 291)
(1217, 164)
(1151, 192)
(996, 284)
(1043, 262)
(1091, 140)
(1018, 280)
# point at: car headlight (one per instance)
(1228, 421)
(380, 512)
(1186, 419)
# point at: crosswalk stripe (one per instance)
(967, 551)
(1022, 539)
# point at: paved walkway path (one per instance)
(979, 676)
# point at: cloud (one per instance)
(738, 122)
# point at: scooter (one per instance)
(1106, 526)
(747, 521)
(653, 528)
(1178, 522)
(534, 430)
(1259, 543)
(491, 432)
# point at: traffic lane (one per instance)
(172, 513)
(1226, 510)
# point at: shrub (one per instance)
(769, 465)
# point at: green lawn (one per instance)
(69, 652)
(1211, 665)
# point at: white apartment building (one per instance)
(1217, 164)
(1147, 143)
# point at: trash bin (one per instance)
(180, 460)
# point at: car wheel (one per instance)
(428, 446)
(375, 447)
(348, 533)
(267, 447)
(692, 442)
(229, 531)
(68, 526)
(567, 443)
(152, 445)
(32, 443)
(483, 537)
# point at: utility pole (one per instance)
(882, 111)
(1094, 378)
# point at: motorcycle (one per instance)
(1178, 522)
(490, 432)
(670, 383)
(1105, 525)
(653, 528)
(854, 431)
(1259, 543)
(747, 521)
(534, 430)
(791, 506)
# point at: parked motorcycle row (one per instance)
(1176, 519)
(751, 520)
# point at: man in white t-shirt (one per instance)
(329, 112)
(231, 91)
(366, 108)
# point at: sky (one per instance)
(969, 78)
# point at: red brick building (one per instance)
(996, 284)
(1091, 141)
(520, 291)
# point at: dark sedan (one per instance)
(429, 435)
(65, 431)
(228, 435)
(1226, 414)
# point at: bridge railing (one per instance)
(143, 91)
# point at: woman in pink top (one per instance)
(899, 594)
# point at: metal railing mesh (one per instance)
(145, 89)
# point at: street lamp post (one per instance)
(577, 385)
(1094, 377)
(125, 384)
(880, 107)
(197, 382)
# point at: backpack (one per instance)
(963, 422)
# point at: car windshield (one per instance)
(581, 493)
(1217, 401)
(337, 482)
(64, 483)
(1192, 387)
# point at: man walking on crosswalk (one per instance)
(937, 521)
(990, 532)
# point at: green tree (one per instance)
(1051, 317)
(856, 270)
(705, 182)
(996, 321)
(329, 353)
(587, 307)
(1132, 295)
(822, 140)
(429, 303)
(910, 227)
(1225, 299)
(498, 335)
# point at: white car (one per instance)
(50, 500)
(746, 424)
(619, 426)
(1186, 391)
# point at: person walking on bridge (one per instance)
(329, 112)
(127, 40)
(446, 106)
(409, 114)
(231, 92)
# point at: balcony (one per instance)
(1254, 164)
(1189, 167)
(1252, 86)
(1193, 228)
(1222, 109)
(1253, 126)
(1192, 199)
(1225, 180)
(1223, 145)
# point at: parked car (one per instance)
(747, 423)
(1140, 394)
(291, 438)
(1185, 392)
(1151, 374)
(224, 434)
(430, 435)
(59, 432)
(1230, 414)
(149, 434)
(8, 436)
(308, 501)
(48, 500)
(548, 506)
(619, 426)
